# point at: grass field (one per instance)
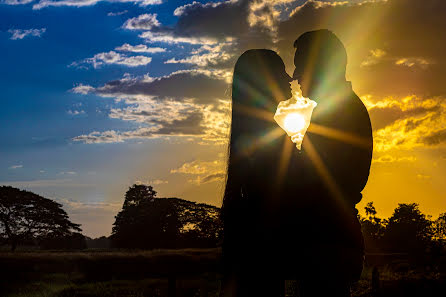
(187, 272)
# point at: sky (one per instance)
(99, 95)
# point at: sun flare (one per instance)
(294, 122)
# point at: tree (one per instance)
(25, 216)
(407, 230)
(372, 228)
(149, 222)
(439, 228)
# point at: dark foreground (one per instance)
(188, 272)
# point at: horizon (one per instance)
(100, 95)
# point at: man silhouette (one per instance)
(334, 164)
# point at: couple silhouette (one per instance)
(290, 214)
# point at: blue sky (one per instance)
(98, 95)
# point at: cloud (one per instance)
(145, 21)
(207, 124)
(16, 167)
(408, 123)
(140, 48)
(390, 57)
(75, 112)
(411, 62)
(201, 85)
(158, 182)
(152, 182)
(109, 136)
(388, 110)
(203, 171)
(17, 34)
(112, 57)
(392, 159)
(423, 176)
(111, 13)
(82, 3)
(67, 173)
(15, 2)
(209, 56)
(435, 137)
(82, 89)
(380, 56)
(207, 179)
(374, 58)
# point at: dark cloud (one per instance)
(191, 125)
(435, 138)
(384, 116)
(212, 177)
(203, 87)
(220, 20)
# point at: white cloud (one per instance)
(111, 13)
(15, 2)
(170, 38)
(113, 57)
(17, 34)
(140, 48)
(145, 21)
(109, 136)
(82, 3)
(213, 54)
(82, 89)
(16, 166)
(75, 112)
(202, 171)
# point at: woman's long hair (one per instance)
(257, 87)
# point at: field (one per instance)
(187, 272)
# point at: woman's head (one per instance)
(259, 83)
(260, 79)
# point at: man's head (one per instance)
(320, 62)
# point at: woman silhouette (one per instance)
(252, 198)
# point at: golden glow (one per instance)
(294, 122)
(294, 116)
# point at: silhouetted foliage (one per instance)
(148, 222)
(439, 227)
(25, 217)
(407, 230)
(372, 228)
(102, 242)
(74, 241)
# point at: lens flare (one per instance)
(294, 122)
(294, 116)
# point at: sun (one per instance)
(294, 122)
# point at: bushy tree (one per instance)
(439, 228)
(25, 216)
(407, 230)
(149, 222)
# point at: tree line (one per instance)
(148, 222)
